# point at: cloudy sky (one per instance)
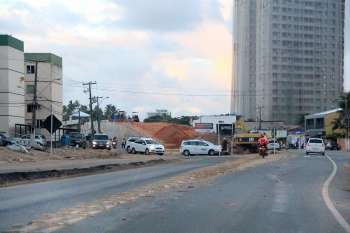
(144, 55)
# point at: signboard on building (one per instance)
(203, 125)
(281, 133)
(226, 129)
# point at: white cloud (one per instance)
(158, 46)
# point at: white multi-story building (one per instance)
(11, 83)
(49, 86)
(289, 57)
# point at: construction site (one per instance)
(170, 135)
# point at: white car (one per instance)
(39, 139)
(273, 145)
(147, 146)
(315, 145)
(129, 143)
(199, 147)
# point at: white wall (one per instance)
(12, 88)
(215, 120)
(50, 89)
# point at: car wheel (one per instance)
(323, 153)
(128, 149)
(186, 153)
(133, 151)
(146, 152)
(211, 153)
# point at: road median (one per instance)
(34, 172)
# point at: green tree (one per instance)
(342, 121)
(69, 109)
(110, 109)
(73, 107)
(184, 120)
(96, 111)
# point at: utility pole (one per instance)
(98, 112)
(260, 116)
(90, 98)
(79, 121)
(34, 105)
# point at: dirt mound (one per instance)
(170, 135)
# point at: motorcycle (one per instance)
(114, 143)
(263, 151)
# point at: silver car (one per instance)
(199, 147)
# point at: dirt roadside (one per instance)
(18, 168)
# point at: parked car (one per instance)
(147, 146)
(273, 145)
(77, 139)
(39, 139)
(129, 143)
(5, 140)
(101, 141)
(315, 145)
(199, 147)
(332, 145)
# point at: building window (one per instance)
(30, 89)
(30, 107)
(30, 69)
(319, 123)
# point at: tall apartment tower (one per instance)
(288, 57)
(11, 83)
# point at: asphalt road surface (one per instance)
(280, 197)
(23, 203)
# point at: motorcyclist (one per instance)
(263, 141)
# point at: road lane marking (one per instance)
(328, 201)
(280, 203)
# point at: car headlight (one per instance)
(94, 143)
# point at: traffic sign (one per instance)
(56, 124)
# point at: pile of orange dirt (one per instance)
(169, 134)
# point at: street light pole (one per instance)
(51, 150)
(34, 105)
(347, 121)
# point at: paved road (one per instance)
(21, 204)
(279, 197)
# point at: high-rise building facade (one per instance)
(294, 57)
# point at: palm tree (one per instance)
(342, 122)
